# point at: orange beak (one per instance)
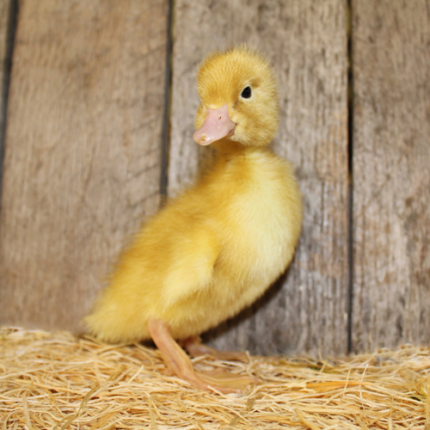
(217, 125)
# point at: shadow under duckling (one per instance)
(218, 247)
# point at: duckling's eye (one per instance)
(246, 93)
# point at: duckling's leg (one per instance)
(180, 364)
(196, 348)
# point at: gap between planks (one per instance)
(164, 179)
(11, 24)
(350, 124)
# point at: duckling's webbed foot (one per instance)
(196, 348)
(179, 364)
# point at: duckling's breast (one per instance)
(263, 228)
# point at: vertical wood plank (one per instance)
(391, 63)
(82, 162)
(306, 42)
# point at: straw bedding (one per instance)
(57, 381)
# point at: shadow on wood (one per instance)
(235, 323)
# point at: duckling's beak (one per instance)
(217, 125)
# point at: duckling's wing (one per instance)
(191, 267)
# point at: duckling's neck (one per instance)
(227, 148)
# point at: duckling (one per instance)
(216, 248)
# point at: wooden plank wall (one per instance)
(84, 150)
(307, 43)
(391, 51)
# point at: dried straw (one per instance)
(56, 381)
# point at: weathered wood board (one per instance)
(391, 63)
(83, 145)
(307, 44)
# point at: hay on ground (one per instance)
(56, 381)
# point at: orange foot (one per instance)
(196, 348)
(179, 364)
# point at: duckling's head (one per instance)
(239, 100)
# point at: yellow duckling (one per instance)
(220, 245)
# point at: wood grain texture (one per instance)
(5, 7)
(391, 63)
(306, 42)
(83, 145)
